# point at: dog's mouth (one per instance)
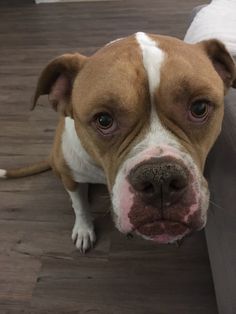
(164, 231)
(165, 224)
(162, 199)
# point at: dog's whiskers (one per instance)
(216, 205)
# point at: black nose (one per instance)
(160, 182)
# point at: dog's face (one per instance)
(147, 109)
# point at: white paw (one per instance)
(83, 236)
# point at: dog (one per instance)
(140, 115)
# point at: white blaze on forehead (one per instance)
(153, 58)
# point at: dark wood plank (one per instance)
(136, 277)
(40, 270)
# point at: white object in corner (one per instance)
(216, 20)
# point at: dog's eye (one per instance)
(105, 123)
(104, 120)
(199, 110)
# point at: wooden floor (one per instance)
(40, 270)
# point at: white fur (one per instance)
(3, 174)
(81, 164)
(83, 232)
(153, 58)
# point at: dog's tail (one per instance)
(30, 170)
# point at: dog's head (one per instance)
(147, 109)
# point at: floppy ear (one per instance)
(56, 80)
(221, 60)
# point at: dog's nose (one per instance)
(160, 182)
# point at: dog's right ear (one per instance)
(56, 81)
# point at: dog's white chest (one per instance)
(81, 164)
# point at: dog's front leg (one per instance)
(83, 233)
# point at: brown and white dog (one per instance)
(140, 115)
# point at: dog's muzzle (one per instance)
(164, 200)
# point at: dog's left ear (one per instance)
(56, 80)
(221, 60)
